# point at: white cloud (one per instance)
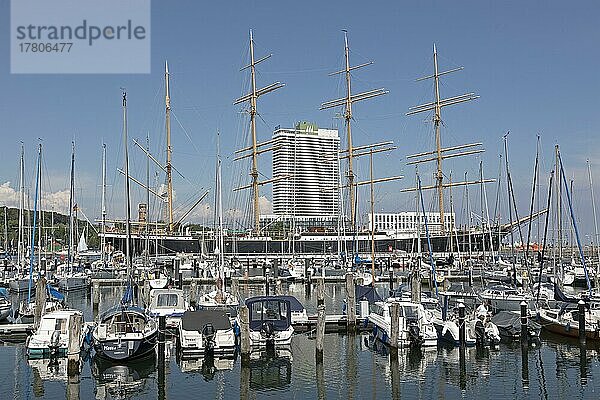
(265, 205)
(8, 196)
(57, 201)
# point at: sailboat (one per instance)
(125, 331)
(20, 282)
(219, 297)
(54, 299)
(72, 277)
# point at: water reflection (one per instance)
(207, 366)
(269, 370)
(122, 380)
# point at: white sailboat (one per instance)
(71, 277)
(219, 297)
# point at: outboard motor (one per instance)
(267, 331)
(54, 344)
(208, 337)
(414, 333)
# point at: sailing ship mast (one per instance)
(437, 106)
(253, 97)
(347, 102)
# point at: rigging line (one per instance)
(185, 131)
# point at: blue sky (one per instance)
(533, 63)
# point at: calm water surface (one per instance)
(353, 367)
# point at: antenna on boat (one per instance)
(437, 106)
(252, 97)
(347, 102)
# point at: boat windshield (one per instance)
(269, 311)
(167, 300)
(410, 312)
(54, 324)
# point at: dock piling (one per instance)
(461, 325)
(524, 332)
(350, 302)
(581, 314)
(245, 334)
(74, 348)
(320, 320)
(40, 301)
(394, 326)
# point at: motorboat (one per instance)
(51, 339)
(509, 326)
(125, 332)
(478, 329)
(270, 321)
(169, 303)
(506, 298)
(206, 331)
(73, 280)
(298, 312)
(415, 323)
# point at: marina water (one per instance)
(354, 367)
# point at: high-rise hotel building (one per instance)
(308, 157)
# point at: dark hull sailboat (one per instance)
(125, 333)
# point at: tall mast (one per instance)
(559, 211)
(254, 170)
(436, 106)
(103, 241)
(437, 119)
(372, 190)
(40, 215)
(32, 248)
(71, 206)
(348, 118)
(20, 247)
(127, 193)
(347, 103)
(595, 241)
(219, 209)
(147, 198)
(169, 148)
(510, 220)
(253, 97)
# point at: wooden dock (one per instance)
(15, 332)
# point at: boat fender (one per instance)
(375, 330)
(384, 337)
(568, 327)
(366, 322)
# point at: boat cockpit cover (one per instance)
(275, 310)
(295, 305)
(197, 320)
(367, 293)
